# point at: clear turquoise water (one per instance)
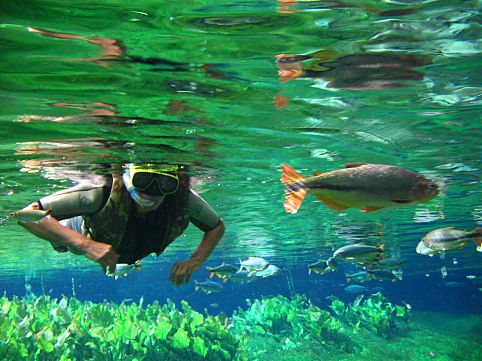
(198, 82)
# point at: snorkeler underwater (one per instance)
(234, 181)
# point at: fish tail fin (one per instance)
(478, 239)
(294, 191)
(196, 285)
(398, 274)
(309, 271)
(290, 175)
(382, 253)
(348, 278)
(211, 274)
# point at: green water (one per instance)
(87, 84)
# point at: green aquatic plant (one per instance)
(37, 328)
(290, 322)
(375, 313)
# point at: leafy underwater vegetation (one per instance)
(37, 328)
(373, 314)
(289, 322)
(275, 328)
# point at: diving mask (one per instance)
(154, 179)
(144, 200)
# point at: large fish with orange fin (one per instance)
(369, 187)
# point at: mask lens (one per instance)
(155, 184)
(142, 180)
(168, 184)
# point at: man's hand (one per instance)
(102, 253)
(182, 270)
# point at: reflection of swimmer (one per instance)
(114, 50)
(125, 218)
(352, 72)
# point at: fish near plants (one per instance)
(369, 187)
(385, 275)
(449, 238)
(208, 286)
(361, 276)
(356, 289)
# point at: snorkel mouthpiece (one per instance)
(140, 199)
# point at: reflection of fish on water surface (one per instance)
(369, 187)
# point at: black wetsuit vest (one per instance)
(132, 234)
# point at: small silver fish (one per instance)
(444, 272)
(323, 266)
(385, 275)
(29, 215)
(361, 276)
(222, 271)
(356, 289)
(208, 286)
(360, 253)
(449, 238)
(123, 269)
(424, 250)
(271, 270)
(241, 276)
(253, 264)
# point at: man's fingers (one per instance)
(181, 273)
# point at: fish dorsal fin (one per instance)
(354, 165)
(447, 228)
(317, 174)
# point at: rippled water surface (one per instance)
(233, 89)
